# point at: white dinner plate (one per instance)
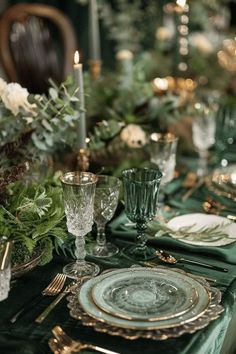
(199, 221)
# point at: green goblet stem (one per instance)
(141, 237)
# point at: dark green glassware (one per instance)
(141, 189)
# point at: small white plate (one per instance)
(199, 221)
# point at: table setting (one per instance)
(117, 190)
(158, 286)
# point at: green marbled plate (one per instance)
(148, 295)
(193, 312)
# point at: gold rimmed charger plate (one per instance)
(213, 311)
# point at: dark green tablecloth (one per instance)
(27, 337)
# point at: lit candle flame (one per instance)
(76, 57)
(181, 3)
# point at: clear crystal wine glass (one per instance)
(105, 204)
(79, 191)
(141, 189)
(163, 154)
(203, 129)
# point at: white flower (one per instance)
(201, 42)
(133, 135)
(15, 97)
(124, 54)
(3, 85)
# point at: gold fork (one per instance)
(53, 288)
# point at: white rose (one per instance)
(133, 135)
(15, 97)
(202, 43)
(3, 85)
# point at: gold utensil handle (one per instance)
(202, 264)
(46, 312)
(192, 190)
(99, 349)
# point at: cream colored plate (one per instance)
(199, 221)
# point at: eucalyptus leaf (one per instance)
(53, 93)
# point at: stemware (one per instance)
(203, 130)
(105, 204)
(79, 191)
(163, 154)
(141, 189)
(226, 134)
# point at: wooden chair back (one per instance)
(28, 50)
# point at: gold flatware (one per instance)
(190, 180)
(53, 288)
(63, 344)
(211, 208)
(46, 312)
(192, 189)
(168, 258)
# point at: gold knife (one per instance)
(193, 189)
(53, 304)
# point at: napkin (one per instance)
(226, 253)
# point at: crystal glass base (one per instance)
(74, 270)
(138, 254)
(108, 250)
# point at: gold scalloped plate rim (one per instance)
(212, 312)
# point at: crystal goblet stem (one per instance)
(106, 200)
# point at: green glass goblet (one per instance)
(79, 192)
(141, 189)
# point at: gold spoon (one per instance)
(168, 258)
(63, 344)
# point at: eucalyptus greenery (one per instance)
(49, 122)
(206, 234)
(33, 217)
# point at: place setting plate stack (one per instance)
(137, 302)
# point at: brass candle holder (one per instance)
(95, 67)
(83, 160)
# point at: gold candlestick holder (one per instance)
(95, 67)
(83, 160)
